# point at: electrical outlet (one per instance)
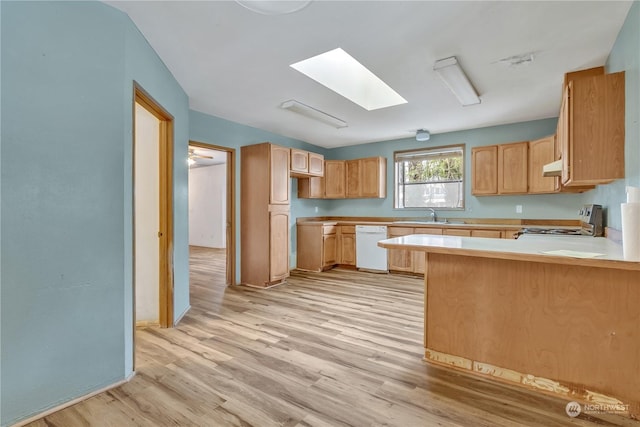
(518, 208)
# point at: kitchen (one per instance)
(92, 262)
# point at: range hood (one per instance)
(552, 169)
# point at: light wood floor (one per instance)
(339, 348)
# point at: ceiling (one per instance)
(234, 63)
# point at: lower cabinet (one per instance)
(346, 245)
(316, 246)
(404, 260)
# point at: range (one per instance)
(590, 225)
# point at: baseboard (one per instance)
(184, 313)
(72, 402)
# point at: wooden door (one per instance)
(299, 161)
(512, 168)
(420, 256)
(354, 178)
(541, 152)
(279, 173)
(316, 164)
(329, 250)
(373, 177)
(278, 244)
(347, 245)
(484, 170)
(334, 179)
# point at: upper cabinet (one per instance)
(484, 170)
(512, 168)
(367, 177)
(305, 163)
(334, 179)
(591, 132)
(358, 178)
(541, 152)
(279, 174)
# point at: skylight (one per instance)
(341, 73)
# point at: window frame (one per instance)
(427, 150)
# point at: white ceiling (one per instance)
(234, 63)
(201, 157)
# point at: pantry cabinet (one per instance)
(264, 216)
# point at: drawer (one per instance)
(400, 231)
(329, 229)
(348, 229)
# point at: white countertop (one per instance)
(526, 247)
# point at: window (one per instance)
(430, 178)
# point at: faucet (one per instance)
(434, 217)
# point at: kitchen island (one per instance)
(520, 312)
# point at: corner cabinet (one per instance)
(317, 246)
(591, 130)
(264, 215)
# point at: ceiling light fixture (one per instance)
(312, 113)
(422, 135)
(343, 74)
(456, 80)
(276, 7)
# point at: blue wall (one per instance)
(66, 248)
(555, 206)
(224, 133)
(625, 56)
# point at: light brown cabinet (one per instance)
(358, 178)
(316, 246)
(264, 216)
(484, 170)
(347, 245)
(404, 260)
(541, 152)
(306, 164)
(591, 130)
(512, 168)
(334, 179)
(366, 177)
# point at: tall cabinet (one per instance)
(264, 216)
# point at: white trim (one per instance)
(184, 313)
(73, 402)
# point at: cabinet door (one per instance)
(400, 259)
(329, 252)
(311, 188)
(353, 176)
(512, 168)
(316, 164)
(279, 172)
(541, 152)
(334, 179)
(419, 256)
(278, 245)
(299, 161)
(484, 170)
(347, 249)
(373, 179)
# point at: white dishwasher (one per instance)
(369, 255)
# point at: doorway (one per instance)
(212, 207)
(152, 212)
